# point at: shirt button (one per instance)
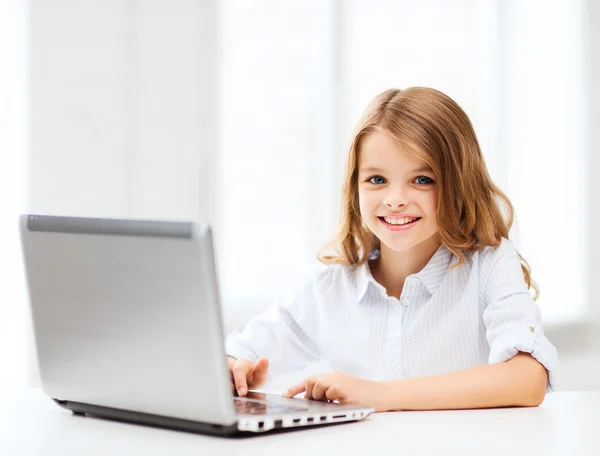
(404, 301)
(531, 329)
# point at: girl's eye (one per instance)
(377, 180)
(423, 180)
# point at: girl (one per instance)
(424, 303)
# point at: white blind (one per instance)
(267, 199)
(546, 148)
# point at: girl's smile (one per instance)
(399, 222)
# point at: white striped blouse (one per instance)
(445, 320)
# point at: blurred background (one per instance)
(240, 112)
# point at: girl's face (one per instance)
(397, 194)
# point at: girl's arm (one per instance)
(520, 367)
(521, 361)
(521, 381)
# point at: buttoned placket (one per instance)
(407, 299)
(395, 348)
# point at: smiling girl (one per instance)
(422, 302)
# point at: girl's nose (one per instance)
(395, 196)
(395, 200)
(394, 205)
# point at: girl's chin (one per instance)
(401, 242)
(400, 247)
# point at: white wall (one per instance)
(594, 149)
(579, 344)
(14, 140)
(581, 369)
(123, 109)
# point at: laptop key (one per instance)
(250, 407)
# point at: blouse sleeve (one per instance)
(511, 317)
(284, 332)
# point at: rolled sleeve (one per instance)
(522, 339)
(512, 318)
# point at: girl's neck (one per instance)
(392, 268)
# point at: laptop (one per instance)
(127, 325)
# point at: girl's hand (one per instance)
(345, 389)
(246, 375)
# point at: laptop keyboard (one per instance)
(251, 407)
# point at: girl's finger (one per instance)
(333, 393)
(318, 391)
(240, 373)
(258, 377)
(296, 389)
(309, 384)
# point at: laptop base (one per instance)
(177, 424)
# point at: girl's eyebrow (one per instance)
(374, 169)
(371, 169)
(422, 169)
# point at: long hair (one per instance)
(472, 212)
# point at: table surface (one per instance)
(567, 423)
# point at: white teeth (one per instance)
(399, 221)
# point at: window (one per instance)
(273, 187)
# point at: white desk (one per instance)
(565, 424)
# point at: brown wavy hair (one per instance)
(472, 212)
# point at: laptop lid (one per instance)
(126, 315)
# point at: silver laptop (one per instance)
(127, 324)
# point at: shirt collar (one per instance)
(431, 275)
